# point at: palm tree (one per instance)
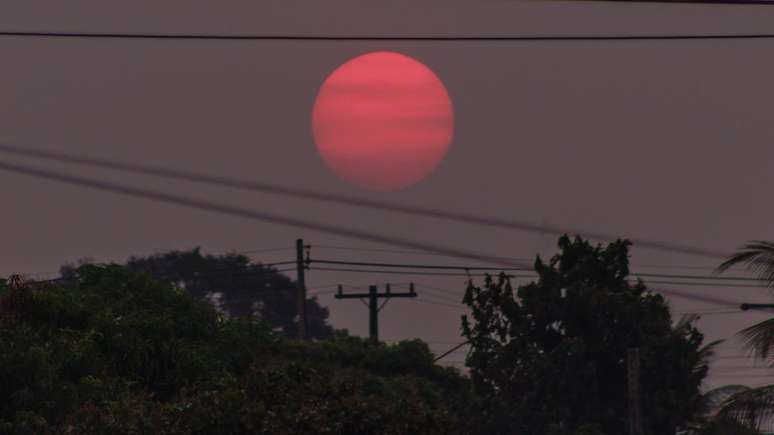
(752, 406)
(710, 420)
(758, 258)
(710, 402)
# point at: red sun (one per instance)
(383, 121)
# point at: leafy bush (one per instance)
(113, 351)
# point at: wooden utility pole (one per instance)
(373, 313)
(633, 375)
(301, 291)
(373, 304)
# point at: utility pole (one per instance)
(373, 313)
(633, 374)
(373, 297)
(301, 290)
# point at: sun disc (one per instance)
(383, 121)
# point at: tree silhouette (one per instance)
(239, 287)
(112, 351)
(550, 357)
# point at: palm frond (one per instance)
(750, 407)
(759, 338)
(707, 352)
(713, 400)
(757, 257)
(685, 322)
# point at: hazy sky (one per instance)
(665, 140)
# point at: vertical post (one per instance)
(300, 281)
(373, 314)
(633, 375)
(373, 297)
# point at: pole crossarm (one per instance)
(386, 294)
(373, 297)
(378, 295)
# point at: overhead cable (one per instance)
(530, 269)
(243, 212)
(473, 219)
(417, 266)
(690, 2)
(408, 272)
(365, 38)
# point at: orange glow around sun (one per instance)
(383, 121)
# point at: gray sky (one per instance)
(665, 140)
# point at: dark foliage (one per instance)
(117, 352)
(551, 357)
(241, 287)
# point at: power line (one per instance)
(197, 275)
(463, 349)
(279, 263)
(403, 272)
(243, 298)
(442, 304)
(350, 201)
(704, 284)
(406, 252)
(692, 2)
(446, 341)
(524, 269)
(263, 269)
(399, 251)
(702, 312)
(670, 266)
(702, 298)
(278, 219)
(426, 286)
(522, 259)
(451, 350)
(417, 38)
(239, 211)
(711, 277)
(257, 251)
(732, 357)
(741, 375)
(479, 275)
(726, 369)
(232, 273)
(415, 266)
(670, 292)
(710, 313)
(157, 251)
(322, 293)
(257, 269)
(442, 297)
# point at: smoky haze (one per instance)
(659, 140)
